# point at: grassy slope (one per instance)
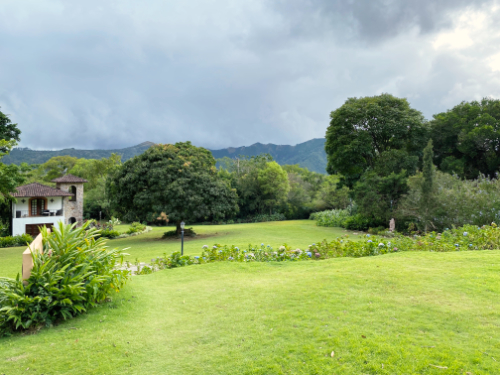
(299, 233)
(415, 310)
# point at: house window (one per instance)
(37, 206)
(72, 190)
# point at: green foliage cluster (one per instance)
(466, 138)
(455, 202)
(295, 192)
(343, 219)
(75, 272)
(331, 218)
(135, 227)
(364, 130)
(18, 240)
(378, 144)
(260, 183)
(109, 233)
(465, 238)
(178, 180)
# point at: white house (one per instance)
(38, 205)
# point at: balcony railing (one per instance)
(19, 214)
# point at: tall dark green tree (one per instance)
(363, 129)
(377, 197)
(8, 132)
(467, 138)
(179, 180)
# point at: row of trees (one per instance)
(182, 181)
(377, 144)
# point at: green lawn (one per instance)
(402, 313)
(297, 233)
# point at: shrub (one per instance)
(341, 218)
(460, 239)
(457, 202)
(357, 222)
(75, 275)
(19, 240)
(109, 233)
(136, 227)
(261, 218)
(330, 218)
(114, 221)
(377, 230)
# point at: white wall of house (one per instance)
(53, 206)
(19, 225)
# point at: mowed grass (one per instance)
(297, 233)
(405, 313)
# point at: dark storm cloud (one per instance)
(372, 20)
(223, 73)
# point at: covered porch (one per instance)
(37, 205)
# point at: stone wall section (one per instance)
(72, 208)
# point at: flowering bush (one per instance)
(466, 238)
(136, 227)
(260, 253)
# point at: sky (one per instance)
(109, 74)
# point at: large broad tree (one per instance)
(179, 180)
(363, 129)
(467, 138)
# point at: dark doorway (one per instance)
(34, 229)
(72, 220)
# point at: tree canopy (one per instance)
(8, 132)
(11, 176)
(363, 129)
(467, 138)
(180, 180)
(274, 184)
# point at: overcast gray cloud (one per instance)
(105, 74)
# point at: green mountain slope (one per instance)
(310, 154)
(25, 155)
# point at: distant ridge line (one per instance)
(310, 154)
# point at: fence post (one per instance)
(36, 247)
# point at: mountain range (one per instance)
(310, 154)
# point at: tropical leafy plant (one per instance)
(75, 272)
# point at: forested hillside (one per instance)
(26, 155)
(310, 154)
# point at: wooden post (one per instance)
(35, 247)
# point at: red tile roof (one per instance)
(69, 178)
(38, 190)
